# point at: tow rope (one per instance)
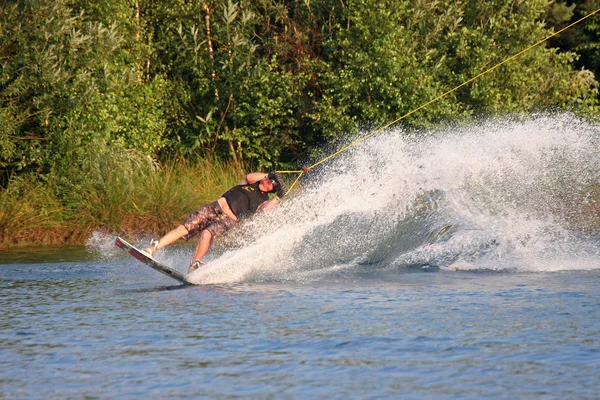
(308, 168)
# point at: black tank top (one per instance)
(245, 199)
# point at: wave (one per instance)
(511, 194)
(505, 194)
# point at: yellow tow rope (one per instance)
(306, 169)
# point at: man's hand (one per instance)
(269, 205)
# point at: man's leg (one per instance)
(170, 237)
(203, 245)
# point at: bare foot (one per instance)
(150, 251)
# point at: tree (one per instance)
(583, 39)
(69, 88)
(396, 56)
(263, 81)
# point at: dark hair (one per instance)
(278, 184)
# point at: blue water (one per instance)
(117, 329)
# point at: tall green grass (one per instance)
(30, 213)
(156, 198)
(125, 194)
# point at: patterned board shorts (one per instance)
(210, 217)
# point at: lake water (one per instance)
(86, 328)
(463, 263)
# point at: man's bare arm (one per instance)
(269, 205)
(254, 177)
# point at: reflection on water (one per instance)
(33, 255)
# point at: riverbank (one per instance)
(142, 199)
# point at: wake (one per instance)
(499, 195)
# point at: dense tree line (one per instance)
(583, 39)
(265, 81)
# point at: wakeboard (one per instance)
(151, 262)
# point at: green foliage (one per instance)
(263, 81)
(67, 86)
(239, 103)
(583, 39)
(394, 58)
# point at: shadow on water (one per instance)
(156, 289)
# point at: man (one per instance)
(216, 218)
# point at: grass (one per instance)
(133, 198)
(30, 213)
